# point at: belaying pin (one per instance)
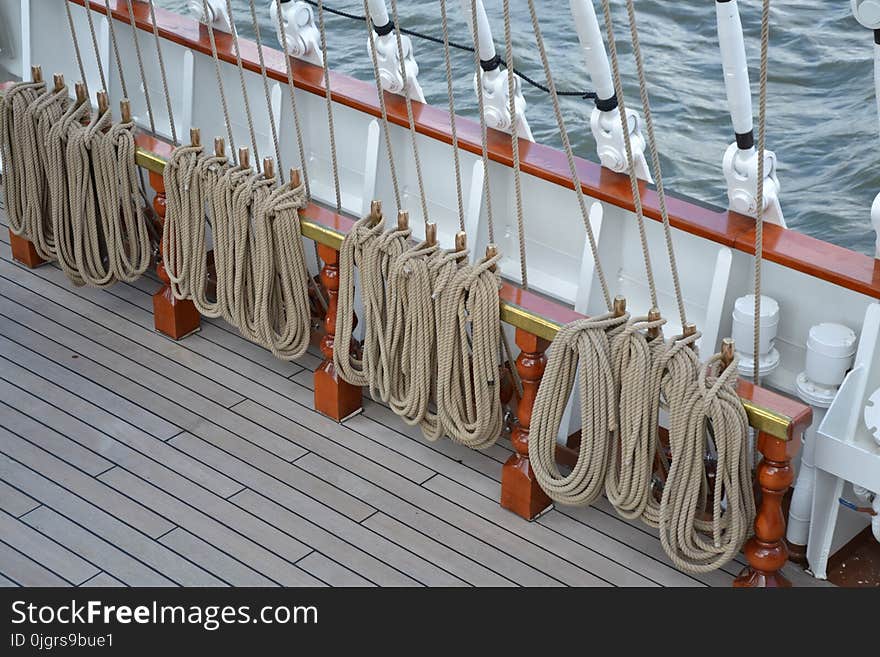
(103, 102)
(244, 157)
(728, 347)
(268, 168)
(431, 233)
(619, 307)
(125, 110)
(37, 73)
(295, 177)
(219, 147)
(461, 241)
(375, 212)
(402, 220)
(80, 90)
(655, 331)
(59, 82)
(491, 252)
(195, 136)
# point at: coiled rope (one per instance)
(13, 108)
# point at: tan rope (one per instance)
(140, 61)
(13, 108)
(475, 31)
(265, 78)
(244, 93)
(759, 216)
(76, 50)
(514, 145)
(423, 197)
(95, 47)
(693, 542)
(282, 297)
(468, 378)
(293, 106)
(161, 60)
(62, 225)
(452, 127)
(115, 48)
(328, 97)
(220, 86)
(38, 119)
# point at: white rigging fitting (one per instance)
(604, 120)
(303, 36)
(388, 56)
(217, 15)
(740, 161)
(496, 106)
(867, 12)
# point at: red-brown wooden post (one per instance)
(334, 397)
(23, 251)
(767, 551)
(174, 317)
(520, 491)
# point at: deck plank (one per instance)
(331, 572)
(24, 571)
(251, 540)
(192, 410)
(20, 534)
(115, 531)
(69, 379)
(102, 580)
(89, 426)
(17, 451)
(410, 570)
(214, 560)
(107, 556)
(14, 502)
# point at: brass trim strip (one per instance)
(763, 419)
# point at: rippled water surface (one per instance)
(822, 118)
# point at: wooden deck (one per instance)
(129, 459)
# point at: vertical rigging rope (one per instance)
(279, 170)
(452, 126)
(759, 218)
(484, 135)
(327, 95)
(76, 50)
(382, 106)
(219, 76)
(293, 106)
(409, 113)
(244, 93)
(115, 48)
(95, 46)
(162, 71)
(140, 60)
(514, 145)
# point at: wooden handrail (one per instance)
(786, 247)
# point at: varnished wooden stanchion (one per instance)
(23, 251)
(171, 316)
(766, 551)
(520, 491)
(334, 397)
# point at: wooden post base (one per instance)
(520, 491)
(173, 317)
(23, 251)
(334, 397)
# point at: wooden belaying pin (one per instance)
(59, 81)
(375, 212)
(195, 136)
(654, 331)
(688, 330)
(491, 252)
(244, 157)
(103, 102)
(295, 177)
(431, 233)
(728, 348)
(219, 147)
(268, 168)
(461, 241)
(37, 73)
(619, 307)
(125, 110)
(402, 220)
(80, 90)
